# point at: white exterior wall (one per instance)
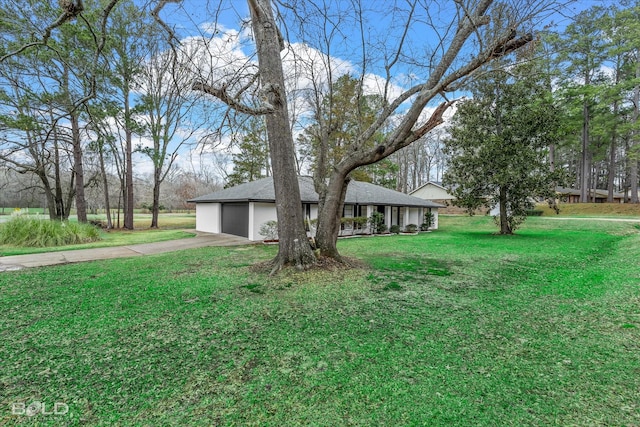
(412, 216)
(251, 225)
(432, 192)
(259, 213)
(387, 216)
(262, 212)
(370, 209)
(208, 217)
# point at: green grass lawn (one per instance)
(603, 210)
(165, 220)
(454, 327)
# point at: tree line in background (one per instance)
(565, 115)
(80, 96)
(23, 191)
(595, 78)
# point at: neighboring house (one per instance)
(435, 192)
(571, 195)
(242, 209)
(628, 194)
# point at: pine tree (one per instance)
(251, 161)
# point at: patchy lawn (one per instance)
(165, 220)
(454, 327)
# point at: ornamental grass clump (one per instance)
(35, 232)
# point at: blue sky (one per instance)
(382, 29)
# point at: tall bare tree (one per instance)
(65, 42)
(32, 143)
(128, 46)
(164, 113)
(476, 34)
(294, 247)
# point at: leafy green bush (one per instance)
(533, 212)
(395, 229)
(427, 221)
(410, 228)
(34, 232)
(346, 222)
(269, 230)
(376, 220)
(360, 221)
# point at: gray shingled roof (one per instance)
(358, 192)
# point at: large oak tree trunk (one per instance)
(294, 248)
(329, 214)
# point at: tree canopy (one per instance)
(498, 145)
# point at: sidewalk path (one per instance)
(17, 262)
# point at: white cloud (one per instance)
(374, 84)
(218, 60)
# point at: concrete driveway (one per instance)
(18, 262)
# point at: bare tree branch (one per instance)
(156, 15)
(434, 120)
(222, 95)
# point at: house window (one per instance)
(347, 211)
